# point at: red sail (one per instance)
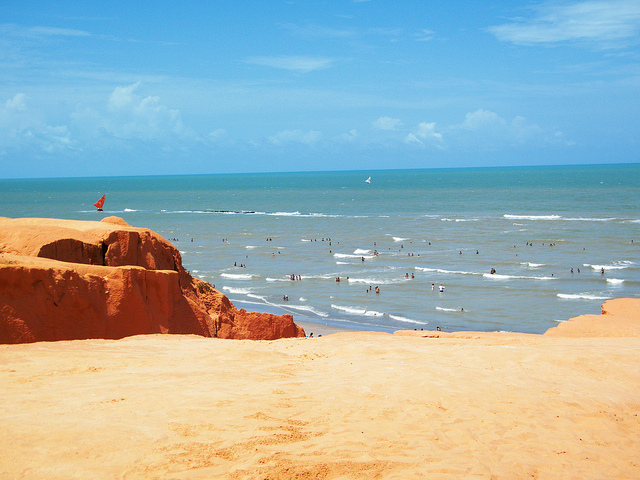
(100, 203)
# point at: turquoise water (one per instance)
(413, 228)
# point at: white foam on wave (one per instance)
(305, 308)
(581, 296)
(532, 217)
(497, 276)
(457, 220)
(588, 219)
(615, 281)
(361, 251)
(251, 247)
(282, 279)
(351, 255)
(374, 281)
(615, 266)
(448, 272)
(289, 214)
(532, 265)
(358, 311)
(130, 210)
(236, 291)
(443, 309)
(398, 318)
(237, 276)
(399, 239)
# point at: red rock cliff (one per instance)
(65, 280)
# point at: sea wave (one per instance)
(448, 272)
(532, 217)
(558, 217)
(361, 251)
(532, 265)
(497, 276)
(236, 291)
(443, 309)
(459, 219)
(375, 281)
(581, 296)
(614, 266)
(305, 308)
(351, 255)
(358, 311)
(615, 281)
(398, 318)
(238, 276)
(588, 219)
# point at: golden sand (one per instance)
(347, 405)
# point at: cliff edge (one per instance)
(68, 279)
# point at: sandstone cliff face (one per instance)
(65, 280)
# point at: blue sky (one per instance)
(137, 88)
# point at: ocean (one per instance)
(560, 240)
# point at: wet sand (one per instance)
(347, 405)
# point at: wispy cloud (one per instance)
(487, 130)
(303, 64)
(387, 123)
(295, 136)
(424, 35)
(11, 29)
(316, 32)
(603, 24)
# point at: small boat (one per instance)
(368, 180)
(100, 203)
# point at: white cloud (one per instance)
(295, 136)
(424, 35)
(387, 123)
(17, 103)
(128, 115)
(55, 31)
(121, 97)
(23, 128)
(217, 135)
(316, 32)
(486, 129)
(605, 24)
(424, 133)
(303, 64)
(347, 137)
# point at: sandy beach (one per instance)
(346, 405)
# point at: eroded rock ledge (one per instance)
(67, 280)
